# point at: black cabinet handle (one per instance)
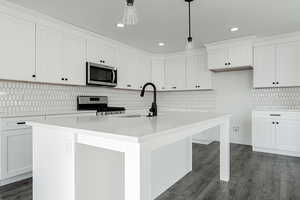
(20, 123)
(226, 64)
(128, 85)
(277, 122)
(273, 83)
(62, 79)
(66, 79)
(277, 82)
(273, 122)
(33, 75)
(229, 63)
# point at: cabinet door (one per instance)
(240, 55)
(198, 75)
(144, 71)
(16, 152)
(217, 57)
(17, 49)
(264, 66)
(73, 59)
(288, 135)
(98, 50)
(128, 61)
(288, 64)
(264, 133)
(49, 54)
(175, 73)
(158, 73)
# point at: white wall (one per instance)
(233, 95)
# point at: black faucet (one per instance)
(153, 109)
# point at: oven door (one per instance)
(98, 74)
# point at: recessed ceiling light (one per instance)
(234, 29)
(161, 44)
(120, 25)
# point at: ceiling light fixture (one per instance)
(120, 25)
(130, 15)
(161, 44)
(190, 44)
(234, 29)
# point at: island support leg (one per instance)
(137, 173)
(225, 151)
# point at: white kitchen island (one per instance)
(62, 172)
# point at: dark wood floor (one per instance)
(254, 176)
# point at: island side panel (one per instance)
(225, 151)
(53, 164)
(169, 164)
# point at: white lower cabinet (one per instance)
(276, 132)
(288, 135)
(16, 152)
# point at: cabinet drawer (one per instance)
(278, 114)
(16, 123)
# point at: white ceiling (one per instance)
(166, 20)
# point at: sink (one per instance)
(132, 116)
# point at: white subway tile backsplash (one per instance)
(35, 97)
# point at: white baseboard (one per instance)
(275, 151)
(15, 179)
(206, 142)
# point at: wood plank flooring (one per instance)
(254, 176)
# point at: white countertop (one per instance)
(134, 129)
(46, 113)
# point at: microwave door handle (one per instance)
(114, 76)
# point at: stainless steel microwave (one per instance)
(99, 74)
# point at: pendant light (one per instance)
(189, 44)
(130, 15)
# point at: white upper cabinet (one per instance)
(73, 71)
(60, 56)
(175, 72)
(128, 72)
(230, 55)
(49, 54)
(100, 51)
(264, 66)
(197, 74)
(217, 57)
(240, 55)
(17, 49)
(143, 70)
(158, 73)
(277, 65)
(288, 64)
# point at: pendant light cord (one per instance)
(190, 35)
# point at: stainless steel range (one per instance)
(98, 103)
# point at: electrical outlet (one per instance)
(236, 130)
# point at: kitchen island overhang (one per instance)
(136, 138)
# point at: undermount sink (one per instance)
(132, 116)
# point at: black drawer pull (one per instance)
(20, 123)
(275, 115)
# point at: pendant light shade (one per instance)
(130, 15)
(190, 44)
